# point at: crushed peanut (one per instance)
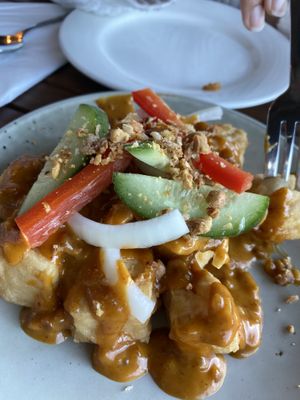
(202, 258)
(118, 135)
(200, 226)
(212, 86)
(216, 199)
(46, 206)
(282, 270)
(213, 212)
(159, 268)
(291, 329)
(292, 299)
(82, 132)
(55, 169)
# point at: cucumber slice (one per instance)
(148, 196)
(149, 153)
(91, 120)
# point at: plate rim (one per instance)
(94, 95)
(75, 61)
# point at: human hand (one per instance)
(254, 12)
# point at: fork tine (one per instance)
(291, 130)
(298, 161)
(274, 127)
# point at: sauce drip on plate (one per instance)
(182, 371)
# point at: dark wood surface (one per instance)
(68, 82)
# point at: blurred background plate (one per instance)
(178, 50)
(30, 370)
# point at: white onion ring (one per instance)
(209, 114)
(134, 235)
(109, 259)
(140, 305)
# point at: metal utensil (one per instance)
(15, 40)
(283, 122)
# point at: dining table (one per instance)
(50, 372)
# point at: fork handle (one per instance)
(45, 22)
(295, 48)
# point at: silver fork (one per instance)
(15, 41)
(147, 3)
(284, 115)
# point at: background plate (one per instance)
(30, 370)
(179, 49)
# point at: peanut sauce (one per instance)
(246, 297)
(254, 246)
(51, 327)
(182, 371)
(204, 314)
(125, 361)
(15, 182)
(116, 107)
(279, 209)
(210, 310)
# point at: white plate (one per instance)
(30, 370)
(179, 49)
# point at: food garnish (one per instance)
(40, 221)
(88, 123)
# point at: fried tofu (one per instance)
(230, 142)
(283, 219)
(86, 322)
(33, 276)
(205, 314)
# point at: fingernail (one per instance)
(257, 18)
(278, 7)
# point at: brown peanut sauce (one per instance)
(15, 183)
(256, 247)
(125, 361)
(50, 327)
(245, 292)
(274, 228)
(117, 107)
(183, 362)
(182, 371)
(202, 311)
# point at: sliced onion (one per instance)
(109, 259)
(134, 235)
(140, 305)
(209, 114)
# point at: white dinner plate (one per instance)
(178, 50)
(30, 370)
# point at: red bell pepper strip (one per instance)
(43, 219)
(225, 173)
(155, 106)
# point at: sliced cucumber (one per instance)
(149, 153)
(90, 120)
(148, 196)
